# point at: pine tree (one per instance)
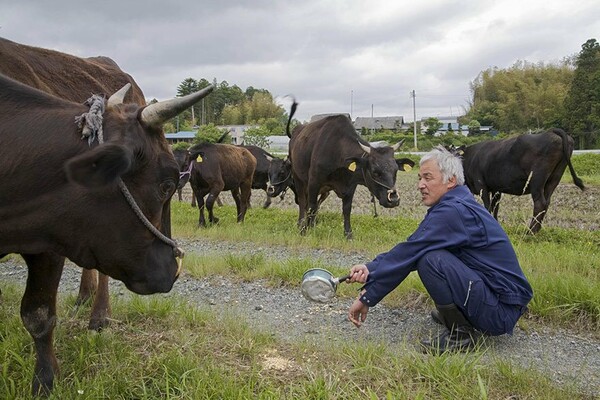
(582, 104)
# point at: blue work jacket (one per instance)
(462, 226)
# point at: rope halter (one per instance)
(90, 124)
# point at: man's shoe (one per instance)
(458, 340)
(458, 336)
(436, 317)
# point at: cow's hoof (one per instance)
(97, 324)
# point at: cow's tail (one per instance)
(292, 112)
(222, 138)
(567, 154)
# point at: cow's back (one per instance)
(323, 145)
(64, 75)
(508, 165)
(225, 163)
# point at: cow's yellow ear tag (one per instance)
(199, 158)
(407, 167)
(352, 166)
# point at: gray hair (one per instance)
(449, 164)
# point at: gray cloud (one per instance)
(334, 56)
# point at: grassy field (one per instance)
(163, 349)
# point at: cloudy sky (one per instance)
(360, 57)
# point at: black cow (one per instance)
(261, 173)
(102, 202)
(527, 164)
(217, 167)
(182, 157)
(328, 154)
(280, 179)
(75, 79)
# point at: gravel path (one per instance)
(562, 355)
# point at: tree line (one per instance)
(523, 98)
(532, 97)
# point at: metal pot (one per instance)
(320, 285)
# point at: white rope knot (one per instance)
(90, 122)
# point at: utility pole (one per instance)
(372, 123)
(414, 119)
(351, 103)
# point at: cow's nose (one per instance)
(392, 195)
(270, 190)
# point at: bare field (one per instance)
(569, 208)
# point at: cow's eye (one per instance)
(167, 188)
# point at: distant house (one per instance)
(393, 123)
(182, 136)
(317, 117)
(451, 125)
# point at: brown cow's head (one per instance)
(136, 151)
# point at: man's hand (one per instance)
(358, 273)
(358, 312)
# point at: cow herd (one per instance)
(104, 202)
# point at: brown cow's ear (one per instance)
(99, 167)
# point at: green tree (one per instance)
(582, 104)
(210, 133)
(257, 137)
(525, 96)
(474, 127)
(188, 86)
(433, 125)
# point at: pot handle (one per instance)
(343, 278)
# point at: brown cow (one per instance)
(328, 154)
(102, 202)
(519, 165)
(218, 167)
(75, 79)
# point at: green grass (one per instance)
(162, 348)
(562, 264)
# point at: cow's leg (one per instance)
(313, 204)
(246, 192)
(495, 203)
(540, 207)
(301, 201)
(237, 198)
(267, 201)
(210, 203)
(38, 312)
(486, 198)
(180, 194)
(87, 286)
(193, 200)
(200, 199)
(101, 306)
(346, 211)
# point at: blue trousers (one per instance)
(449, 281)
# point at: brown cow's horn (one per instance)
(366, 149)
(397, 145)
(118, 96)
(158, 113)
